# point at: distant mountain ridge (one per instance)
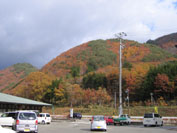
(13, 75)
(167, 42)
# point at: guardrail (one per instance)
(134, 119)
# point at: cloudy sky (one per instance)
(36, 31)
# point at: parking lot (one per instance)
(83, 126)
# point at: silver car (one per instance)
(98, 122)
(25, 121)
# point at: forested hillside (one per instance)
(13, 75)
(88, 74)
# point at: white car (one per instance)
(98, 123)
(7, 119)
(152, 119)
(5, 130)
(44, 118)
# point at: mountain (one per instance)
(13, 75)
(167, 42)
(99, 55)
(92, 65)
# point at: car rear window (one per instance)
(98, 118)
(41, 115)
(27, 116)
(156, 115)
(148, 116)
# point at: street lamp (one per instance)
(120, 36)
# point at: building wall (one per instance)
(6, 107)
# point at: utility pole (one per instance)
(120, 36)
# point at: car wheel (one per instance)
(114, 124)
(43, 122)
(156, 124)
(145, 125)
(162, 123)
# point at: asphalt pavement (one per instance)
(83, 126)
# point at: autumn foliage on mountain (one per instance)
(89, 74)
(13, 75)
(167, 42)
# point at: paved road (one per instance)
(83, 126)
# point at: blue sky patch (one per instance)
(175, 4)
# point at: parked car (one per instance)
(44, 118)
(123, 119)
(7, 118)
(152, 119)
(98, 123)
(77, 115)
(5, 130)
(25, 121)
(109, 120)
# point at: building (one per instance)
(11, 103)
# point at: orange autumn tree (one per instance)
(102, 96)
(75, 94)
(92, 96)
(89, 96)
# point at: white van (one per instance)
(152, 119)
(44, 118)
(25, 121)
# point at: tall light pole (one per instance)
(120, 36)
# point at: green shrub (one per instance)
(156, 54)
(127, 65)
(24, 67)
(100, 55)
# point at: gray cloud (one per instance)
(37, 31)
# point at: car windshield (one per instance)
(27, 116)
(4, 115)
(123, 116)
(98, 118)
(11, 115)
(148, 116)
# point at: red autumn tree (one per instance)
(163, 86)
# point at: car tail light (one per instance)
(36, 122)
(17, 122)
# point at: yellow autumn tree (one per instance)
(34, 86)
